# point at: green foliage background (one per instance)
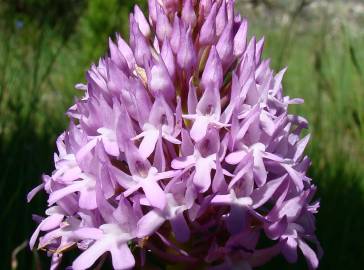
(46, 47)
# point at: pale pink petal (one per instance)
(34, 191)
(149, 223)
(148, 143)
(122, 258)
(86, 149)
(183, 163)
(87, 199)
(199, 128)
(60, 193)
(88, 233)
(202, 177)
(310, 255)
(154, 193)
(90, 255)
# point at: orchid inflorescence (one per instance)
(181, 148)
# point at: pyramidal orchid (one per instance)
(181, 148)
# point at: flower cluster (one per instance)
(181, 147)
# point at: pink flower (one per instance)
(182, 146)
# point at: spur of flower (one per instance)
(181, 148)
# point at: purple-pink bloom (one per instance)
(181, 147)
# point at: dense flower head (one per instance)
(181, 147)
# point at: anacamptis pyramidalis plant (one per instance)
(181, 149)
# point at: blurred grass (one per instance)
(45, 48)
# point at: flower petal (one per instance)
(310, 255)
(154, 193)
(90, 255)
(202, 177)
(149, 142)
(149, 223)
(180, 228)
(122, 258)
